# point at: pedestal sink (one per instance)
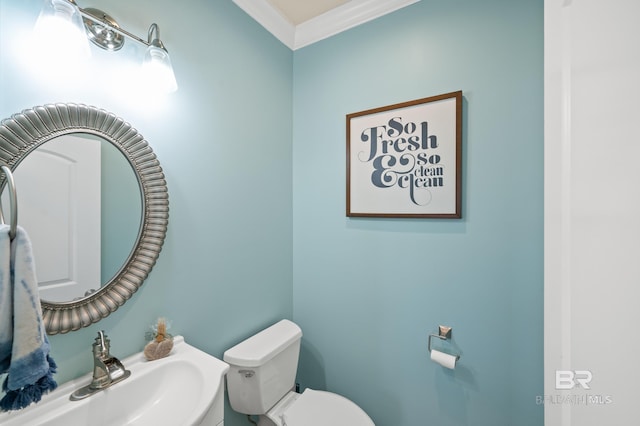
(185, 388)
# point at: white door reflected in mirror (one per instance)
(59, 189)
(79, 201)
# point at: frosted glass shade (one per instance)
(157, 70)
(59, 37)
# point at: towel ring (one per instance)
(13, 200)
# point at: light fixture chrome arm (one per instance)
(154, 41)
(86, 14)
(118, 30)
(108, 22)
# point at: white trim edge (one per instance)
(270, 19)
(342, 18)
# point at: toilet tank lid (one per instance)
(261, 347)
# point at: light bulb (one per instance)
(59, 38)
(157, 70)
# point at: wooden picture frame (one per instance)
(405, 160)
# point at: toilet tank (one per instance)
(263, 368)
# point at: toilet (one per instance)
(261, 382)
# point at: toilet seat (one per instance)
(320, 408)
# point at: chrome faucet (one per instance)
(107, 370)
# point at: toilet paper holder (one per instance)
(444, 333)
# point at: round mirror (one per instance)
(97, 225)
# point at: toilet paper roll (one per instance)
(445, 360)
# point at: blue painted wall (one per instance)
(253, 142)
(367, 292)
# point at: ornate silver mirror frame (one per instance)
(24, 132)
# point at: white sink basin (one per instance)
(185, 388)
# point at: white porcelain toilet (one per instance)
(262, 378)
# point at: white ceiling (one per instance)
(299, 11)
(298, 23)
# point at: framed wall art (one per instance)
(405, 160)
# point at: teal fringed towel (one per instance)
(24, 348)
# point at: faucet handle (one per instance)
(102, 343)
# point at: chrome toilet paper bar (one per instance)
(444, 333)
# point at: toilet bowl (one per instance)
(318, 408)
(262, 377)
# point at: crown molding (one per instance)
(340, 19)
(267, 16)
(344, 17)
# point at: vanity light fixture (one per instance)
(62, 18)
(157, 64)
(103, 31)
